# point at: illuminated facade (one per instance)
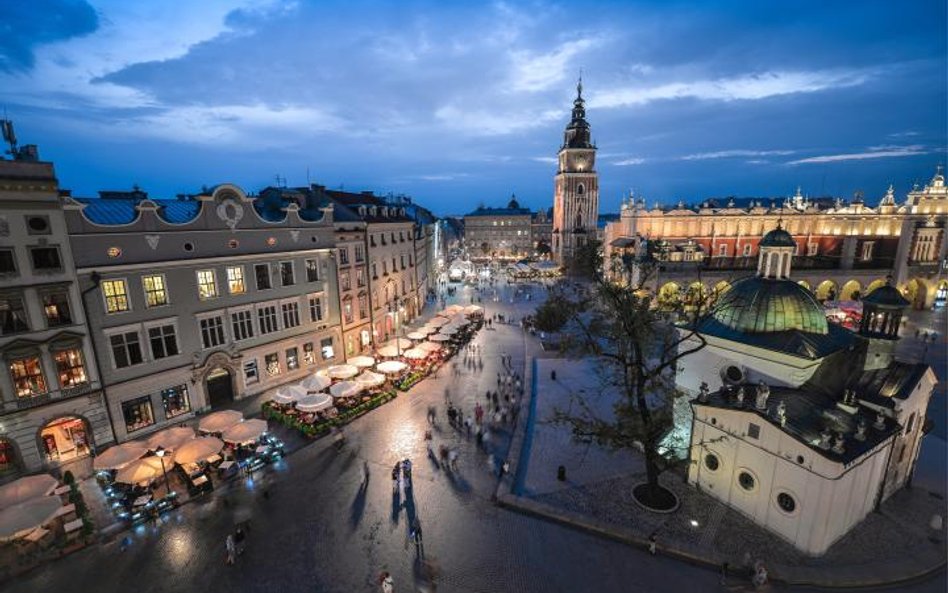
(503, 233)
(576, 186)
(842, 250)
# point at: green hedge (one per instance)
(320, 428)
(409, 381)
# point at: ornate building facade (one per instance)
(576, 186)
(499, 233)
(803, 426)
(52, 408)
(203, 300)
(843, 249)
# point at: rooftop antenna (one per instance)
(280, 181)
(9, 136)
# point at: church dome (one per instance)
(886, 296)
(766, 305)
(778, 238)
(513, 204)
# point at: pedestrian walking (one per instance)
(725, 568)
(387, 582)
(396, 474)
(231, 548)
(652, 544)
(365, 474)
(453, 459)
(240, 541)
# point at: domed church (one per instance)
(801, 425)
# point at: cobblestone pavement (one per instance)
(314, 529)
(318, 532)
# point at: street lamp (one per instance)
(160, 452)
(393, 308)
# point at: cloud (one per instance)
(440, 177)
(629, 162)
(541, 71)
(552, 160)
(874, 152)
(728, 154)
(742, 88)
(241, 126)
(22, 29)
(482, 122)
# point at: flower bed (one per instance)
(410, 380)
(321, 427)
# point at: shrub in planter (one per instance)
(68, 478)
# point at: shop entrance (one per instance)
(65, 439)
(219, 387)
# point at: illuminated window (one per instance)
(175, 401)
(116, 296)
(156, 294)
(27, 375)
(235, 280)
(207, 284)
(69, 367)
(138, 413)
(56, 309)
(309, 355)
(292, 359)
(273, 364)
(325, 347)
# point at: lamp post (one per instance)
(393, 310)
(160, 452)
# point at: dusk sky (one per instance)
(458, 104)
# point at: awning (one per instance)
(390, 367)
(314, 403)
(26, 488)
(170, 438)
(199, 449)
(119, 456)
(246, 432)
(315, 382)
(219, 421)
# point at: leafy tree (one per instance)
(639, 347)
(586, 260)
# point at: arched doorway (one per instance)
(878, 283)
(219, 387)
(826, 290)
(850, 291)
(10, 462)
(64, 439)
(915, 291)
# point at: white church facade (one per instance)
(803, 426)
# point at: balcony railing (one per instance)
(24, 403)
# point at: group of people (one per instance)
(401, 475)
(234, 544)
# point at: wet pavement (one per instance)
(315, 529)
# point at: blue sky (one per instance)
(461, 103)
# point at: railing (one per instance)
(24, 403)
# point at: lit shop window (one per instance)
(138, 413)
(273, 364)
(325, 346)
(175, 401)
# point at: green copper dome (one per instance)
(778, 238)
(765, 305)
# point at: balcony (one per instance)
(25, 403)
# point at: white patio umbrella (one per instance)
(416, 335)
(363, 362)
(26, 488)
(146, 469)
(315, 382)
(220, 421)
(415, 354)
(342, 371)
(438, 321)
(287, 394)
(429, 346)
(453, 309)
(346, 389)
(370, 379)
(170, 438)
(246, 432)
(390, 367)
(388, 351)
(440, 338)
(448, 330)
(314, 403)
(402, 343)
(427, 329)
(119, 456)
(473, 310)
(460, 320)
(199, 449)
(20, 519)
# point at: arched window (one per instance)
(579, 221)
(580, 189)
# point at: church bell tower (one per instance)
(576, 186)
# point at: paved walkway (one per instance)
(888, 547)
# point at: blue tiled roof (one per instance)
(500, 212)
(122, 211)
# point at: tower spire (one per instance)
(579, 85)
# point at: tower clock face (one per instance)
(581, 161)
